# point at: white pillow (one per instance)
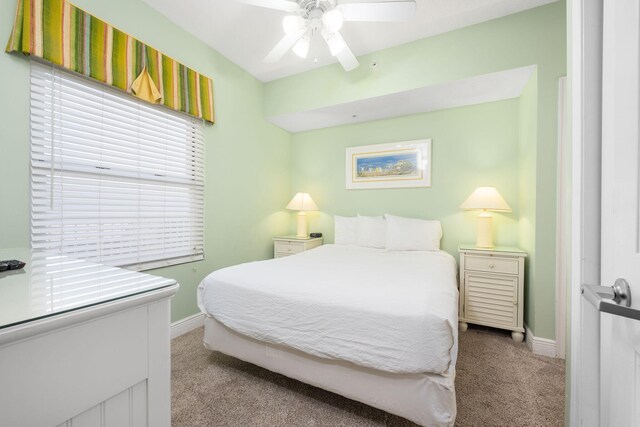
(346, 230)
(371, 231)
(409, 234)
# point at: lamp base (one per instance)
(302, 225)
(485, 231)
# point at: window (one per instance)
(113, 179)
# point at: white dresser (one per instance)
(492, 288)
(291, 245)
(83, 344)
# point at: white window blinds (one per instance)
(113, 179)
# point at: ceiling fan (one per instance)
(310, 17)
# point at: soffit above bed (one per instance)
(245, 34)
(491, 87)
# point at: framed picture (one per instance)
(396, 165)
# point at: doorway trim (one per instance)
(563, 219)
(585, 86)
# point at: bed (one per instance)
(372, 325)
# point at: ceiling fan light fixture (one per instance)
(327, 17)
(301, 48)
(335, 42)
(292, 24)
(332, 20)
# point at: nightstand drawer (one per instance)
(492, 264)
(288, 247)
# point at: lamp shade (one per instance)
(486, 198)
(302, 202)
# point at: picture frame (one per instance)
(405, 164)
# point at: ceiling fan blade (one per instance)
(388, 11)
(334, 41)
(283, 5)
(347, 59)
(283, 46)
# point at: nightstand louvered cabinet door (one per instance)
(492, 288)
(491, 299)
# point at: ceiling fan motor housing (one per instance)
(309, 7)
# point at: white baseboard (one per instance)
(187, 324)
(541, 346)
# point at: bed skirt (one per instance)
(426, 399)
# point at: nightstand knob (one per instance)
(491, 265)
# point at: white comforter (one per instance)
(390, 311)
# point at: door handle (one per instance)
(613, 300)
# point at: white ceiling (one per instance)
(245, 34)
(497, 86)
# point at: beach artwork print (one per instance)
(395, 165)
(388, 165)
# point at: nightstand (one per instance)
(291, 245)
(492, 288)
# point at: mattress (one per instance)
(390, 311)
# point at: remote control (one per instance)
(12, 264)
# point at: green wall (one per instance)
(534, 37)
(242, 212)
(471, 146)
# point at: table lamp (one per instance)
(486, 199)
(302, 202)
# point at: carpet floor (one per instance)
(498, 383)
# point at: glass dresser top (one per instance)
(50, 285)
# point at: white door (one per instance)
(620, 255)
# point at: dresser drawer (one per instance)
(492, 264)
(288, 247)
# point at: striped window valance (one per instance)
(61, 33)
